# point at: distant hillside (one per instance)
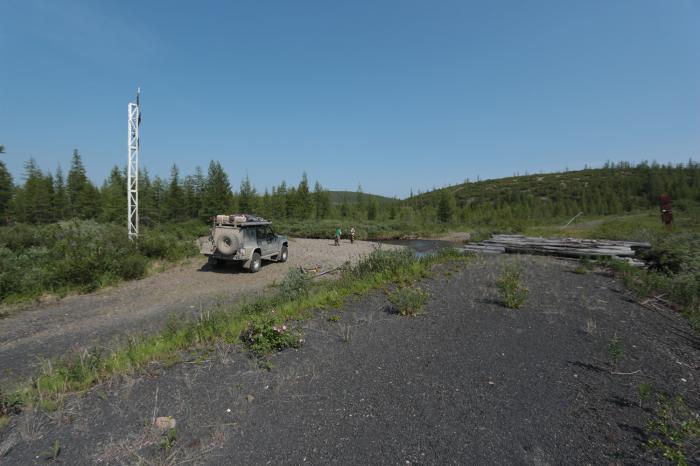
(608, 190)
(338, 197)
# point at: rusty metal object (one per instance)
(666, 209)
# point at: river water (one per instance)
(422, 246)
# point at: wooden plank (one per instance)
(565, 247)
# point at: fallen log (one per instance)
(562, 247)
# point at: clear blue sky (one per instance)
(390, 94)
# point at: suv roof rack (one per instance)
(239, 220)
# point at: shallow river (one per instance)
(421, 246)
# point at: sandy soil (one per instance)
(465, 382)
(143, 306)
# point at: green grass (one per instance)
(408, 301)
(639, 226)
(511, 287)
(294, 301)
(615, 352)
(674, 430)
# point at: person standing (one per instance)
(352, 235)
(337, 235)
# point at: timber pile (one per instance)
(562, 247)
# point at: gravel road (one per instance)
(465, 382)
(143, 306)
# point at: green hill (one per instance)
(613, 189)
(338, 197)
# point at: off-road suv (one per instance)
(244, 239)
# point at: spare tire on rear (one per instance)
(227, 242)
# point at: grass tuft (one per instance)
(408, 301)
(674, 430)
(511, 287)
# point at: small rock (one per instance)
(250, 398)
(165, 422)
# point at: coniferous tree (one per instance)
(322, 201)
(159, 190)
(174, 202)
(82, 195)
(291, 203)
(34, 200)
(392, 210)
(217, 197)
(446, 206)
(148, 212)
(190, 195)
(247, 197)
(113, 197)
(279, 201)
(360, 199)
(266, 205)
(60, 197)
(6, 188)
(344, 209)
(198, 181)
(372, 208)
(304, 202)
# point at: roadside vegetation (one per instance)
(674, 430)
(264, 324)
(82, 255)
(408, 301)
(511, 286)
(672, 278)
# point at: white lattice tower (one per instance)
(132, 177)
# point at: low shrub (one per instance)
(263, 335)
(510, 285)
(294, 285)
(408, 301)
(80, 255)
(674, 430)
(673, 272)
(9, 404)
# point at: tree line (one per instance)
(46, 197)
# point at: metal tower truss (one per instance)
(132, 179)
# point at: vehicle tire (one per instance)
(283, 254)
(255, 263)
(214, 262)
(227, 243)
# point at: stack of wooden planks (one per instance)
(562, 247)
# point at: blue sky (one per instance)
(393, 95)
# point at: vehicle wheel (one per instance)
(255, 263)
(283, 254)
(227, 243)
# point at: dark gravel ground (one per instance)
(466, 382)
